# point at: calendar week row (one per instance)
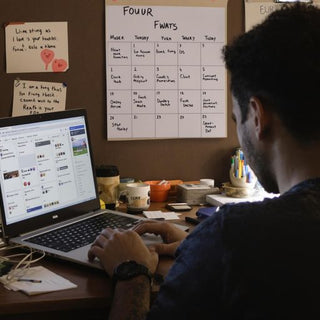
(165, 101)
(165, 77)
(140, 126)
(164, 53)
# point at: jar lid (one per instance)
(107, 171)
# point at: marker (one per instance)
(30, 280)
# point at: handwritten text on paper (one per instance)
(31, 97)
(37, 47)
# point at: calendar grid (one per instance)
(172, 88)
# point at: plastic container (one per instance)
(158, 192)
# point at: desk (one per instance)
(90, 300)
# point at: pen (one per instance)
(30, 280)
(192, 220)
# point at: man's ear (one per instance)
(261, 117)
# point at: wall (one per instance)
(186, 159)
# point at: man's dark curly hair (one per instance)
(278, 61)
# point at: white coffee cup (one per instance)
(137, 196)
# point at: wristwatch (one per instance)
(130, 269)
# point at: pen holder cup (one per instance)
(158, 192)
(241, 182)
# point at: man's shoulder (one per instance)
(300, 198)
(271, 218)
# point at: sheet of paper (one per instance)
(165, 73)
(50, 281)
(258, 10)
(161, 215)
(37, 47)
(30, 97)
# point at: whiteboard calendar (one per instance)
(165, 74)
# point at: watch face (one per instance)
(127, 268)
(130, 269)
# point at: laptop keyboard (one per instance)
(82, 233)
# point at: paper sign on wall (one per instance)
(30, 97)
(37, 47)
(257, 10)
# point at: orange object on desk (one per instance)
(158, 192)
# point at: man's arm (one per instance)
(131, 299)
(115, 247)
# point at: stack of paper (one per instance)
(38, 280)
(159, 215)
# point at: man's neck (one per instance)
(294, 162)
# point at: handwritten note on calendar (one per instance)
(165, 73)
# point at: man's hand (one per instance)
(171, 235)
(113, 247)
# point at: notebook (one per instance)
(49, 198)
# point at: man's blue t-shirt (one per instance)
(249, 261)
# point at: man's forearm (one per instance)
(131, 299)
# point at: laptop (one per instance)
(49, 197)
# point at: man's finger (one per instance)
(95, 251)
(166, 249)
(107, 232)
(157, 228)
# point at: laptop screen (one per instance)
(45, 165)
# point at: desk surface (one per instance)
(90, 300)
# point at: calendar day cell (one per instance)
(142, 77)
(119, 126)
(118, 101)
(143, 53)
(143, 101)
(213, 125)
(189, 77)
(119, 53)
(212, 78)
(143, 126)
(166, 54)
(189, 101)
(189, 54)
(189, 125)
(213, 101)
(166, 77)
(118, 77)
(166, 125)
(211, 54)
(166, 101)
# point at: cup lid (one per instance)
(107, 171)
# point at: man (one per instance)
(250, 260)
